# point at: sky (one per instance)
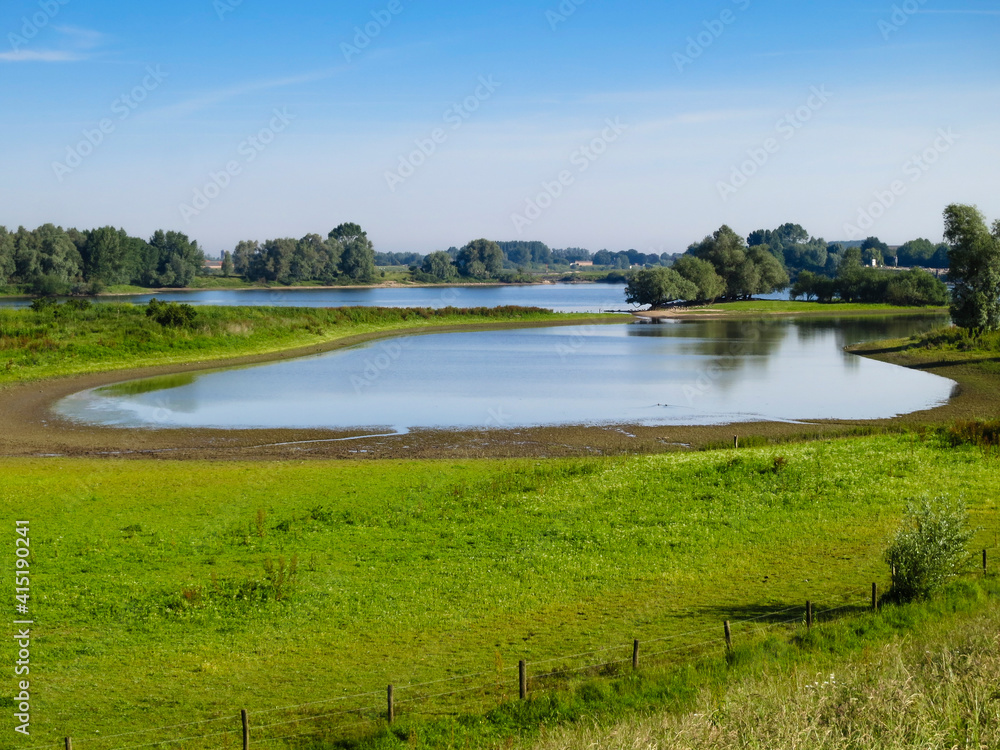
(580, 123)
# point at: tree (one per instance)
(358, 260)
(658, 287)
(486, 253)
(227, 264)
(439, 264)
(746, 271)
(177, 258)
(104, 254)
(928, 548)
(974, 268)
(702, 274)
(243, 257)
(6, 255)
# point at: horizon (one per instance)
(573, 123)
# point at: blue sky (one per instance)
(595, 124)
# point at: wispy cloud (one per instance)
(211, 98)
(44, 55)
(74, 45)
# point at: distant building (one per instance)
(581, 263)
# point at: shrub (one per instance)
(929, 547)
(170, 314)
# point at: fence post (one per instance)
(736, 441)
(729, 636)
(246, 728)
(635, 654)
(390, 713)
(522, 679)
(809, 614)
(69, 744)
(874, 596)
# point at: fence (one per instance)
(360, 712)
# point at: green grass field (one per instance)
(164, 592)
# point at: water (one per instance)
(701, 372)
(558, 297)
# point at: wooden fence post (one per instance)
(246, 728)
(390, 712)
(522, 679)
(736, 441)
(635, 654)
(874, 596)
(809, 614)
(69, 744)
(729, 636)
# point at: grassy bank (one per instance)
(925, 675)
(66, 341)
(170, 592)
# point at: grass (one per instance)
(917, 676)
(62, 341)
(168, 592)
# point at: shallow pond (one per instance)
(703, 372)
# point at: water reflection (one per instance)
(703, 372)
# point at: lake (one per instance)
(701, 372)
(558, 297)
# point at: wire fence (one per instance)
(345, 716)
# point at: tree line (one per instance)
(724, 266)
(346, 254)
(53, 260)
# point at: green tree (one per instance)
(6, 256)
(358, 260)
(243, 257)
(104, 254)
(929, 547)
(439, 264)
(702, 274)
(486, 253)
(974, 268)
(177, 258)
(746, 271)
(227, 264)
(658, 287)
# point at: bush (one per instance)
(172, 314)
(929, 547)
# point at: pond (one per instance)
(702, 372)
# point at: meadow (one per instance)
(173, 592)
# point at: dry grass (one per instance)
(940, 692)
